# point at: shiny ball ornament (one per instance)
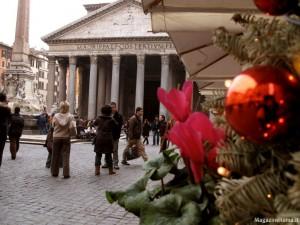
(262, 103)
(276, 7)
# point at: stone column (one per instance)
(51, 83)
(80, 90)
(140, 79)
(101, 85)
(164, 79)
(72, 83)
(93, 88)
(115, 79)
(62, 86)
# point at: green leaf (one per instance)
(163, 164)
(188, 193)
(170, 210)
(133, 198)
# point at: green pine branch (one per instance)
(263, 41)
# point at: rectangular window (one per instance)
(3, 54)
(3, 63)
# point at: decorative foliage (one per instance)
(175, 203)
(263, 41)
(243, 199)
(241, 157)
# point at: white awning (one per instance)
(190, 24)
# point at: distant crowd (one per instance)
(104, 132)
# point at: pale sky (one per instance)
(45, 17)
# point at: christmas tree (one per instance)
(244, 169)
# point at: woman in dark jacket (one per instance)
(104, 139)
(146, 131)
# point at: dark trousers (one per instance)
(14, 146)
(146, 140)
(108, 159)
(2, 145)
(61, 146)
(49, 158)
(155, 138)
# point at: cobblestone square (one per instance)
(29, 195)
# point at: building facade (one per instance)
(39, 66)
(111, 55)
(5, 59)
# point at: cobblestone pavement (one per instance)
(29, 195)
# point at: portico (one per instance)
(123, 69)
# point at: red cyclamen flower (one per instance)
(177, 102)
(190, 137)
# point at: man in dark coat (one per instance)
(116, 134)
(4, 120)
(134, 136)
(15, 132)
(104, 141)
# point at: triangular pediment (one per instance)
(121, 19)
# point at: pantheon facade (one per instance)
(111, 55)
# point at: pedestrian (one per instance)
(146, 131)
(165, 142)
(49, 144)
(162, 127)
(155, 130)
(42, 122)
(134, 136)
(15, 132)
(4, 120)
(104, 142)
(64, 126)
(116, 135)
(125, 127)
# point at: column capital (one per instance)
(165, 59)
(62, 62)
(73, 60)
(140, 59)
(116, 59)
(94, 59)
(51, 59)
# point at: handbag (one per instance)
(72, 128)
(132, 153)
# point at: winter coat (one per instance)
(61, 124)
(16, 126)
(49, 140)
(146, 129)
(104, 136)
(162, 128)
(134, 127)
(117, 129)
(4, 120)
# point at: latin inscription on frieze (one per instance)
(125, 46)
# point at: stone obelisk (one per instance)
(19, 77)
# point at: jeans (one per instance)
(115, 152)
(155, 137)
(2, 145)
(108, 159)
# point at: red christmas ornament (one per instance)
(263, 102)
(276, 7)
